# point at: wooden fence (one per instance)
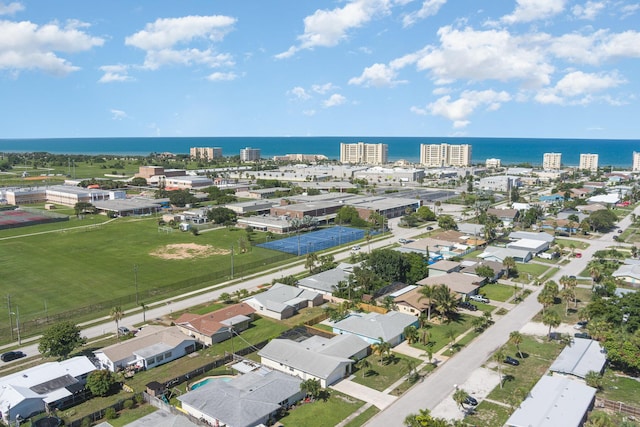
(618, 407)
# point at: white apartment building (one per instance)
(552, 161)
(205, 153)
(362, 153)
(492, 163)
(636, 161)
(439, 155)
(249, 154)
(589, 162)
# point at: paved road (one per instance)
(458, 369)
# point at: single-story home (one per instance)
(604, 199)
(554, 401)
(248, 400)
(325, 282)
(507, 216)
(412, 302)
(283, 301)
(630, 273)
(216, 327)
(325, 359)
(460, 283)
(151, 347)
(497, 254)
(579, 358)
(469, 267)
(53, 384)
(533, 246)
(373, 326)
(443, 267)
(545, 237)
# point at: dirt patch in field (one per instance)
(187, 251)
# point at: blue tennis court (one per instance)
(314, 241)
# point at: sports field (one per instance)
(302, 244)
(95, 268)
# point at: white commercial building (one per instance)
(589, 162)
(551, 161)
(636, 161)
(492, 163)
(502, 183)
(205, 153)
(439, 155)
(360, 152)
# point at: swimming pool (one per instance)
(207, 380)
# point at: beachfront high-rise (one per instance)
(439, 155)
(249, 154)
(363, 153)
(589, 162)
(552, 161)
(205, 153)
(636, 161)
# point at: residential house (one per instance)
(152, 346)
(495, 253)
(469, 267)
(443, 267)
(325, 283)
(630, 273)
(545, 237)
(460, 283)
(580, 358)
(554, 401)
(412, 302)
(533, 246)
(248, 400)
(373, 326)
(49, 385)
(217, 326)
(325, 359)
(283, 301)
(507, 216)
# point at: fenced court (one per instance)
(24, 217)
(304, 243)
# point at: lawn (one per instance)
(439, 334)
(620, 388)
(461, 343)
(538, 355)
(322, 413)
(381, 375)
(497, 292)
(489, 414)
(535, 270)
(567, 244)
(99, 266)
(127, 416)
(583, 295)
(363, 417)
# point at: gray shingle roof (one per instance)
(374, 325)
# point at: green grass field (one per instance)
(497, 292)
(93, 268)
(322, 413)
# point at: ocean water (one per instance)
(617, 153)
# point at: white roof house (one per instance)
(327, 360)
(554, 402)
(283, 301)
(373, 326)
(606, 199)
(153, 346)
(494, 253)
(534, 246)
(246, 401)
(628, 273)
(325, 282)
(545, 237)
(579, 358)
(25, 393)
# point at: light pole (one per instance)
(17, 314)
(135, 279)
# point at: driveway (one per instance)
(364, 393)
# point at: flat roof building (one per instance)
(205, 153)
(439, 155)
(589, 162)
(551, 161)
(249, 154)
(360, 152)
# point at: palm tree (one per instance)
(363, 365)
(515, 338)
(381, 348)
(552, 319)
(509, 263)
(311, 387)
(498, 357)
(144, 307)
(310, 261)
(427, 292)
(444, 301)
(116, 315)
(546, 299)
(593, 379)
(460, 396)
(411, 334)
(567, 295)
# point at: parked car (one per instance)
(467, 305)
(123, 330)
(582, 335)
(12, 355)
(580, 325)
(356, 248)
(511, 361)
(619, 231)
(403, 241)
(479, 298)
(578, 255)
(470, 401)
(429, 228)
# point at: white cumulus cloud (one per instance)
(300, 93)
(327, 28)
(115, 73)
(118, 114)
(458, 110)
(324, 88)
(334, 100)
(377, 75)
(218, 76)
(589, 10)
(597, 47)
(578, 87)
(533, 10)
(11, 8)
(28, 46)
(429, 8)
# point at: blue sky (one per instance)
(524, 68)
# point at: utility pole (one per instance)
(10, 318)
(135, 278)
(232, 261)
